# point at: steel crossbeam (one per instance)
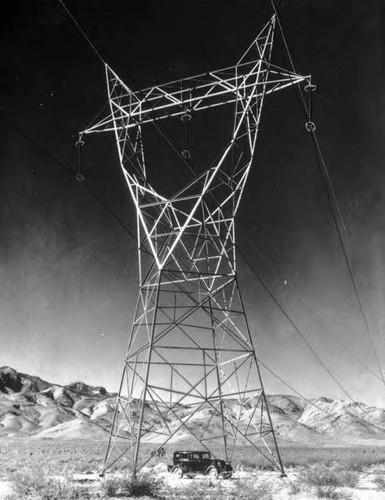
(190, 353)
(194, 94)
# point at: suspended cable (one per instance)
(175, 149)
(309, 401)
(82, 32)
(307, 108)
(308, 308)
(93, 121)
(294, 326)
(277, 303)
(347, 261)
(328, 415)
(80, 143)
(338, 219)
(46, 152)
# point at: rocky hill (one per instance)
(32, 407)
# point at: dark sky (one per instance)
(68, 269)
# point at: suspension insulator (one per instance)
(310, 87)
(310, 126)
(186, 117)
(80, 177)
(186, 154)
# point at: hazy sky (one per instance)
(68, 270)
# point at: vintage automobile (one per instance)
(199, 462)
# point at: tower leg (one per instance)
(216, 400)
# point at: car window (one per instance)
(196, 456)
(205, 456)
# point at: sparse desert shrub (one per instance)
(326, 480)
(349, 458)
(110, 487)
(249, 490)
(347, 478)
(379, 481)
(28, 482)
(41, 484)
(267, 466)
(202, 490)
(327, 492)
(144, 485)
(332, 493)
(248, 463)
(355, 465)
(208, 490)
(251, 463)
(319, 475)
(294, 487)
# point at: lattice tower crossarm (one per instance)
(191, 374)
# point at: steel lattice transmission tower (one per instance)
(190, 351)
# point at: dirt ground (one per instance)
(83, 460)
(5, 489)
(280, 487)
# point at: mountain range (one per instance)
(34, 408)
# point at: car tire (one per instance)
(177, 471)
(213, 473)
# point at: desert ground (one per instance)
(69, 469)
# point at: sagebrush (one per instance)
(145, 485)
(42, 484)
(327, 481)
(379, 481)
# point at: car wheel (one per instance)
(213, 473)
(177, 471)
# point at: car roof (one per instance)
(191, 451)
